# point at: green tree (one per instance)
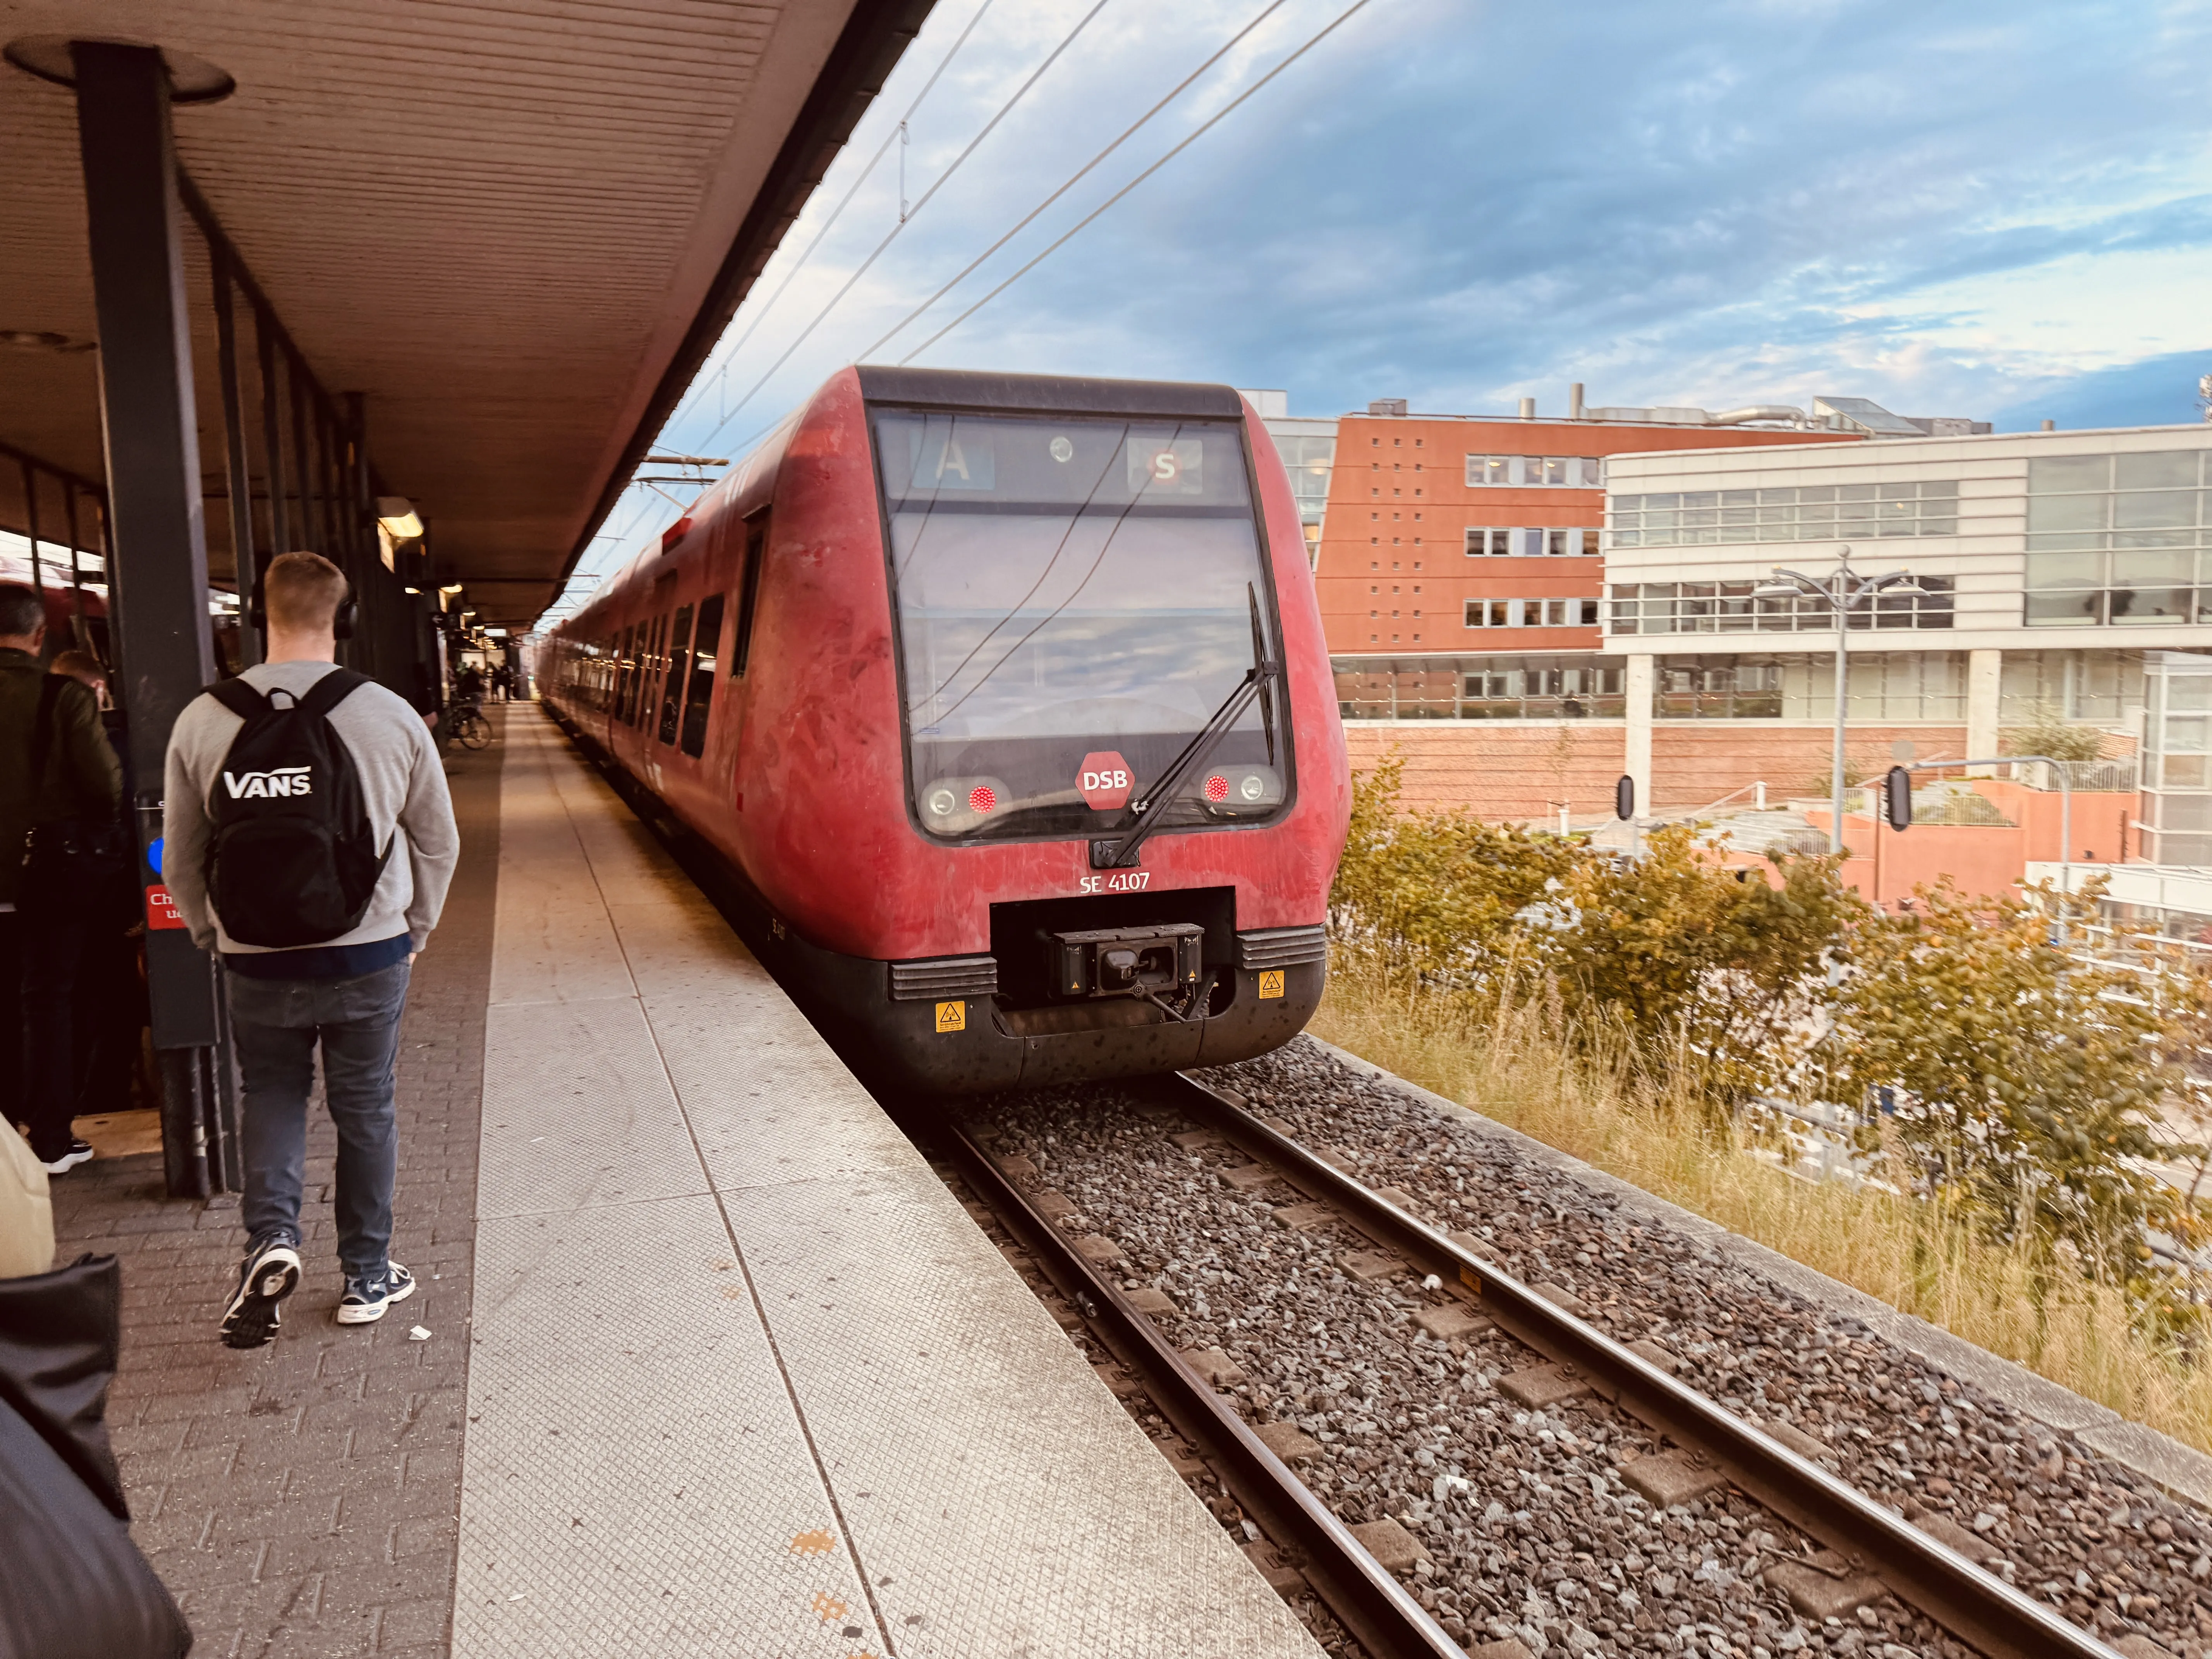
(1438, 892)
(2023, 1082)
(1717, 973)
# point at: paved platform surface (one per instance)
(746, 1379)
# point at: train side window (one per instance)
(741, 645)
(625, 673)
(699, 702)
(633, 670)
(679, 671)
(648, 696)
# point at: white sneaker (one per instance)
(80, 1151)
(366, 1300)
(269, 1272)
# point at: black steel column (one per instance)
(272, 435)
(78, 635)
(238, 480)
(303, 517)
(156, 532)
(31, 513)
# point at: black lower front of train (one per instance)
(1052, 1003)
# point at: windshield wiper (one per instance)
(1110, 854)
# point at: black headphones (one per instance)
(341, 622)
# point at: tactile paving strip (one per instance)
(772, 1105)
(635, 1481)
(578, 1111)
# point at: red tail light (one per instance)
(1217, 788)
(981, 799)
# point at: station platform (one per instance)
(715, 1365)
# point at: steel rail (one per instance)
(1973, 1605)
(1371, 1605)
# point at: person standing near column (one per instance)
(60, 785)
(309, 839)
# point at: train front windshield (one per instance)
(1077, 597)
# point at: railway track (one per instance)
(1867, 1548)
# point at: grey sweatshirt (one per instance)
(402, 783)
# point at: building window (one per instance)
(2118, 540)
(2101, 688)
(1568, 685)
(1527, 471)
(1532, 613)
(1731, 608)
(1531, 543)
(1816, 512)
(1884, 685)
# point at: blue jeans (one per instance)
(275, 1024)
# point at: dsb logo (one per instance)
(1104, 781)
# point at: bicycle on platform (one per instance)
(471, 729)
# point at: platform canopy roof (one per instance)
(515, 227)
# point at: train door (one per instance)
(680, 671)
(753, 532)
(700, 679)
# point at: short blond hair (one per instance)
(80, 666)
(301, 592)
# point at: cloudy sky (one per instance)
(1976, 208)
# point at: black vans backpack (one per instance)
(293, 860)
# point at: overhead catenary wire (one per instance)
(1074, 179)
(1338, 21)
(913, 213)
(1200, 131)
(897, 134)
(1342, 18)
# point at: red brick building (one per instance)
(1449, 533)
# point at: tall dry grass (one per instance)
(1507, 1062)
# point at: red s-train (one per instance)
(1006, 699)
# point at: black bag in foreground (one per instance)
(293, 860)
(74, 1586)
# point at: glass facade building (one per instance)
(2122, 541)
(1810, 512)
(1736, 607)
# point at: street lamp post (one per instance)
(1843, 592)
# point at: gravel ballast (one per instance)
(1528, 1529)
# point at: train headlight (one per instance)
(1238, 790)
(959, 806)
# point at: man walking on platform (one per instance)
(309, 838)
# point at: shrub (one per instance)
(1720, 971)
(2020, 1080)
(2047, 732)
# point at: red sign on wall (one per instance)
(1104, 781)
(161, 912)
